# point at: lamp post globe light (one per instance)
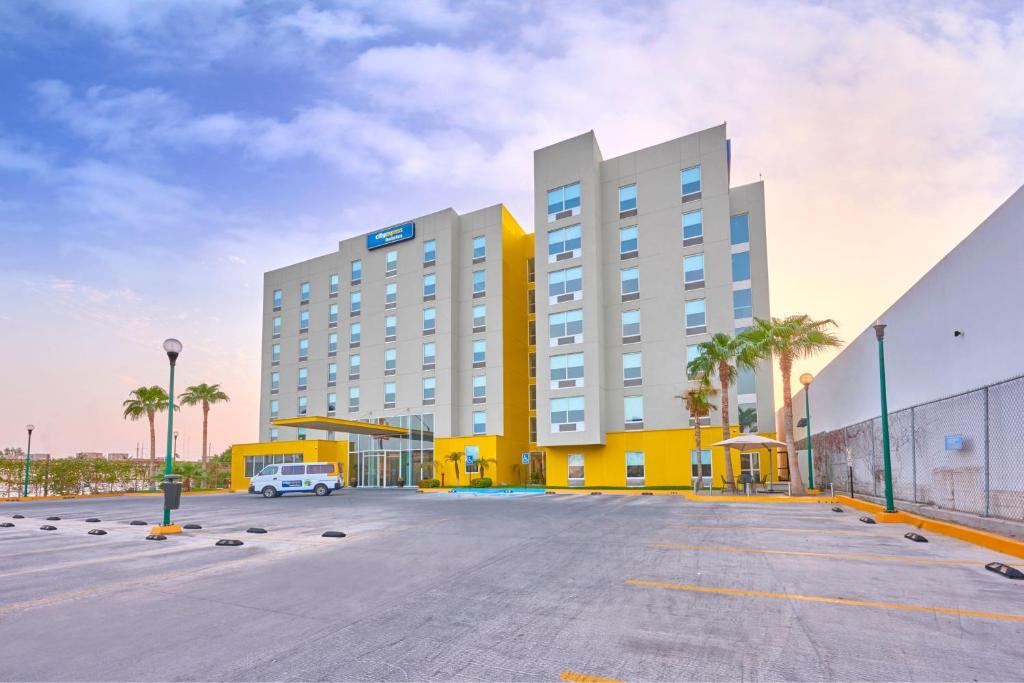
(173, 349)
(806, 380)
(28, 456)
(879, 327)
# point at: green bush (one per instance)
(536, 478)
(429, 483)
(481, 483)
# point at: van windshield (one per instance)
(269, 469)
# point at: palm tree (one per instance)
(698, 404)
(146, 401)
(723, 356)
(205, 395)
(483, 462)
(455, 458)
(787, 339)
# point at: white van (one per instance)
(317, 477)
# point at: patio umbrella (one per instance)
(747, 441)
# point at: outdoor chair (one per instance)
(730, 483)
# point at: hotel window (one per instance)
(565, 285)
(750, 464)
(275, 353)
(353, 399)
(566, 327)
(567, 414)
(332, 285)
(479, 389)
(693, 271)
(479, 249)
(390, 361)
(355, 365)
(479, 422)
(300, 434)
(629, 241)
(575, 469)
(629, 284)
(479, 318)
(693, 228)
(702, 466)
(391, 263)
(741, 266)
(634, 468)
(479, 283)
(564, 243)
(747, 417)
(332, 403)
(633, 411)
(531, 332)
(303, 349)
(692, 352)
(742, 304)
(301, 406)
(627, 201)
(696, 317)
(273, 433)
(332, 374)
(276, 326)
(355, 303)
(429, 252)
(533, 429)
(429, 355)
(479, 353)
(274, 409)
(332, 343)
(303, 321)
(390, 328)
(302, 380)
(355, 334)
(533, 398)
(275, 381)
(429, 320)
(630, 326)
(332, 315)
(531, 270)
(632, 369)
(391, 295)
(566, 370)
(277, 299)
(689, 180)
(531, 365)
(739, 229)
(389, 395)
(357, 272)
(563, 202)
(429, 391)
(531, 301)
(429, 286)
(746, 381)
(304, 293)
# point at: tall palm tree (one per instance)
(483, 462)
(455, 458)
(146, 401)
(698, 404)
(723, 356)
(204, 395)
(787, 339)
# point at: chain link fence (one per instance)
(962, 452)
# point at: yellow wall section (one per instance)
(312, 450)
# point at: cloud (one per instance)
(320, 27)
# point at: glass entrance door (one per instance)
(371, 470)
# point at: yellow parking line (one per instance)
(832, 601)
(585, 678)
(729, 527)
(803, 553)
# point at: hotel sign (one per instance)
(396, 233)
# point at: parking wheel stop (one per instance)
(156, 537)
(837, 509)
(137, 522)
(6, 525)
(1005, 570)
(52, 519)
(255, 530)
(333, 534)
(192, 526)
(93, 520)
(17, 516)
(917, 538)
(229, 541)
(867, 520)
(97, 532)
(47, 527)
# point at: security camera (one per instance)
(958, 333)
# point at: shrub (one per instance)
(429, 483)
(481, 483)
(536, 478)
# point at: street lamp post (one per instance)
(173, 348)
(28, 456)
(806, 380)
(886, 461)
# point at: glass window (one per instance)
(275, 353)
(692, 352)
(700, 466)
(693, 225)
(275, 381)
(300, 433)
(332, 314)
(479, 247)
(631, 323)
(389, 394)
(479, 351)
(565, 281)
(741, 266)
(273, 434)
(429, 353)
(531, 301)
(632, 366)
(429, 284)
(480, 386)
(531, 365)
(391, 262)
(355, 364)
(531, 332)
(566, 366)
(277, 298)
(390, 325)
(479, 316)
(332, 284)
(479, 421)
(696, 314)
(429, 251)
(303, 349)
(564, 240)
(627, 198)
(357, 271)
(274, 407)
(575, 463)
(304, 292)
(391, 293)
(566, 410)
(303, 378)
(390, 359)
(633, 407)
(746, 381)
(479, 281)
(353, 398)
(531, 270)
(533, 398)
(750, 464)
(635, 467)
(739, 229)
(332, 342)
(566, 323)
(563, 198)
(533, 429)
(277, 325)
(356, 302)
(355, 333)
(690, 180)
(301, 405)
(332, 402)
(429, 388)
(429, 319)
(742, 304)
(748, 417)
(693, 270)
(303, 321)
(629, 281)
(629, 239)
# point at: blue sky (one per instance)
(157, 157)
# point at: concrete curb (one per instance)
(111, 495)
(686, 493)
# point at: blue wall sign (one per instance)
(954, 442)
(396, 233)
(526, 458)
(471, 454)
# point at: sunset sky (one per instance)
(156, 157)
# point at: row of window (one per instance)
(564, 201)
(635, 462)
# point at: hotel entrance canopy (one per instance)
(336, 424)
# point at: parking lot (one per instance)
(449, 587)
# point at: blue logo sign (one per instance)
(396, 233)
(954, 442)
(526, 458)
(471, 454)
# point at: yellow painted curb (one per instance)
(111, 495)
(169, 529)
(985, 539)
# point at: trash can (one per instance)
(172, 491)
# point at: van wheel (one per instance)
(269, 492)
(321, 490)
